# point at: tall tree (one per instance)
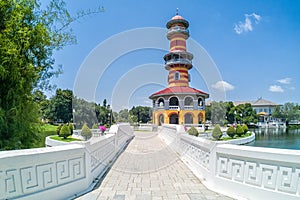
(28, 37)
(140, 114)
(60, 107)
(218, 112)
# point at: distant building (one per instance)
(261, 106)
(178, 103)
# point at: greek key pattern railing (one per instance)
(30, 179)
(196, 152)
(261, 174)
(101, 155)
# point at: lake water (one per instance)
(277, 138)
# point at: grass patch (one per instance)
(236, 137)
(69, 139)
(45, 131)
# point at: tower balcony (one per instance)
(177, 29)
(178, 61)
(178, 58)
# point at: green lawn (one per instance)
(236, 137)
(69, 139)
(45, 131)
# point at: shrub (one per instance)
(239, 130)
(64, 131)
(217, 133)
(246, 129)
(94, 126)
(193, 131)
(86, 133)
(58, 129)
(71, 127)
(231, 131)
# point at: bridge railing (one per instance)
(60, 172)
(242, 172)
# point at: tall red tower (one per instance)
(178, 103)
(178, 61)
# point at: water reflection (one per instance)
(277, 138)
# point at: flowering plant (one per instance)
(102, 128)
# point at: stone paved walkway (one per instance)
(149, 169)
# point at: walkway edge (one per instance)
(97, 181)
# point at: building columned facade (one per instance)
(178, 103)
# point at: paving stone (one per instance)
(149, 169)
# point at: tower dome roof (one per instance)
(177, 19)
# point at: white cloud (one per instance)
(291, 88)
(285, 81)
(275, 88)
(246, 26)
(223, 86)
(148, 102)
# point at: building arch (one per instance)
(188, 118)
(161, 102)
(200, 102)
(200, 118)
(174, 101)
(188, 101)
(173, 118)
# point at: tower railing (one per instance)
(173, 107)
(188, 107)
(178, 60)
(177, 29)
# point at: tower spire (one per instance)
(176, 11)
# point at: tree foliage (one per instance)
(218, 112)
(226, 112)
(60, 106)
(289, 111)
(28, 36)
(140, 114)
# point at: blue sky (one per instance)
(255, 46)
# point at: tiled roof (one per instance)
(179, 90)
(263, 102)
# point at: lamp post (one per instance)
(235, 117)
(110, 116)
(241, 118)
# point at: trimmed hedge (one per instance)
(217, 133)
(193, 131)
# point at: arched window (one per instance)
(176, 76)
(161, 103)
(174, 101)
(188, 101)
(173, 119)
(200, 102)
(188, 118)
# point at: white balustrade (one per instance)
(60, 172)
(242, 172)
(173, 107)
